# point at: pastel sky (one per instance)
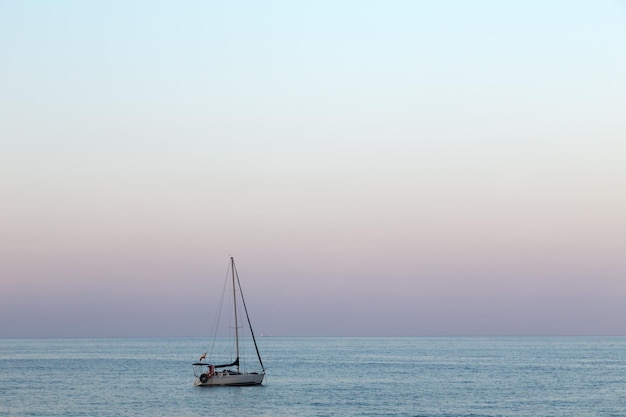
(376, 168)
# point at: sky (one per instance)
(376, 168)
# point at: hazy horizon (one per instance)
(376, 168)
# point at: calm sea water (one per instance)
(320, 377)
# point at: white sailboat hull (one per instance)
(241, 379)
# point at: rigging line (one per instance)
(248, 317)
(218, 316)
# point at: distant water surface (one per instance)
(512, 376)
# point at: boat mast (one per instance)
(232, 265)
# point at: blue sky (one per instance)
(377, 168)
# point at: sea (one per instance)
(315, 376)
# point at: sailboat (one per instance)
(209, 373)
